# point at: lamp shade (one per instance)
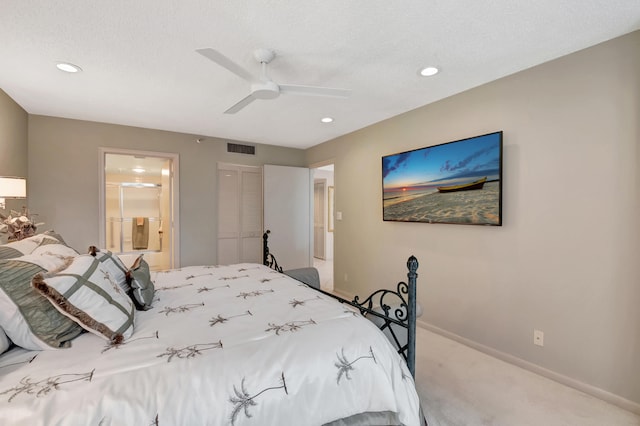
(13, 187)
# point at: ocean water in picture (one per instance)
(400, 196)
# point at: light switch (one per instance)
(338, 215)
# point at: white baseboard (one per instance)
(565, 380)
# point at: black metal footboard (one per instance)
(398, 307)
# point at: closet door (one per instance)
(288, 214)
(251, 215)
(239, 214)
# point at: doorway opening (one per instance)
(323, 229)
(138, 212)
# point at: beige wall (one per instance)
(13, 144)
(64, 179)
(565, 260)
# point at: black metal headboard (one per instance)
(398, 307)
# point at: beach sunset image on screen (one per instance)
(457, 182)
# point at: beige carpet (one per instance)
(460, 386)
(325, 270)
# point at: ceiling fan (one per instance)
(264, 87)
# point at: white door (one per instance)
(239, 214)
(251, 215)
(288, 214)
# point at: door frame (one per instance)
(313, 167)
(323, 213)
(175, 195)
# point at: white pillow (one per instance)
(113, 265)
(4, 341)
(60, 251)
(27, 246)
(89, 295)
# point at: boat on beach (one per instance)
(476, 184)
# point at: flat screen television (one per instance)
(456, 182)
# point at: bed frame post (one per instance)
(412, 265)
(267, 258)
(265, 247)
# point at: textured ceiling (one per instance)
(140, 67)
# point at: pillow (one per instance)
(113, 266)
(5, 343)
(54, 234)
(24, 246)
(56, 249)
(86, 293)
(142, 288)
(27, 318)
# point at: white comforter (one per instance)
(233, 345)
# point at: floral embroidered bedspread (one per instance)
(229, 345)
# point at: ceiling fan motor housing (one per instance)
(265, 90)
(264, 56)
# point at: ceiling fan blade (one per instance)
(243, 103)
(225, 62)
(314, 91)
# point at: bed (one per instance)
(202, 345)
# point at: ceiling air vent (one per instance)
(241, 149)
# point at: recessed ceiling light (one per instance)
(139, 170)
(327, 120)
(428, 71)
(67, 67)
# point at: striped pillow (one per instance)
(87, 293)
(8, 252)
(29, 319)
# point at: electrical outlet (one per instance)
(538, 338)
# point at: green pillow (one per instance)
(142, 288)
